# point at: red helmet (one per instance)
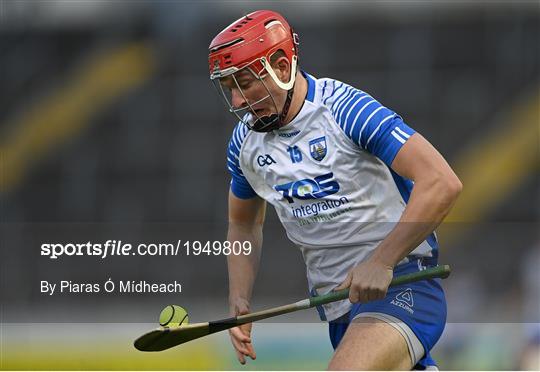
(251, 40)
(248, 43)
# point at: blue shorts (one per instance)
(419, 307)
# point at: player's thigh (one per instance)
(371, 344)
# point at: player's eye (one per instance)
(245, 84)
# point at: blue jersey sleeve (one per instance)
(240, 187)
(366, 122)
(387, 141)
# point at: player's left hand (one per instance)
(368, 281)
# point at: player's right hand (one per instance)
(241, 335)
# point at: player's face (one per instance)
(257, 95)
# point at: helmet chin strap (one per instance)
(275, 121)
(272, 122)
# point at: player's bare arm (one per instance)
(246, 218)
(436, 188)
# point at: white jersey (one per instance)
(327, 173)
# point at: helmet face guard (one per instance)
(248, 113)
(247, 45)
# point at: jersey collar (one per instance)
(311, 86)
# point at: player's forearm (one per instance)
(429, 203)
(243, 268)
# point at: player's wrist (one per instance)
(385, 262)
(238, 305)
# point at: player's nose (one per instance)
(237, 99)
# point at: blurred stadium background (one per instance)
(109, 128)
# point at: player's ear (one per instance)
(281, 66)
